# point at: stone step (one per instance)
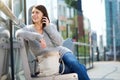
(72, 76)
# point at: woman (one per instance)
(42, 34)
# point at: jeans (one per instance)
(72, 65)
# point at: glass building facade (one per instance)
(112, 8)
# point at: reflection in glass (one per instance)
(4, 50)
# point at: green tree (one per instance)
(71, 3)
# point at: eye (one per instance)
(32, 12)
(37, 12)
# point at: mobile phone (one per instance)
(44, 23)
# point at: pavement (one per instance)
(105, 70)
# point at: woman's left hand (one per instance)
(43, 43)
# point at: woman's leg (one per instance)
(73, 64)
(65, 70)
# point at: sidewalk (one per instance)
(105, 70)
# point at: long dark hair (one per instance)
(43, 10)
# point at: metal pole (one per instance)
(114, 43)
(11, 46)
(11, 52)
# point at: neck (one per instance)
(38, 28)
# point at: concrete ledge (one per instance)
(72, 76)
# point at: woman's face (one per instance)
(36, 15)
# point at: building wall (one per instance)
(112, 21)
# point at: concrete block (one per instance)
(71, 76)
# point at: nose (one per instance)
(33, 14)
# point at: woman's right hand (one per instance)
(43, 43)
(46, 21)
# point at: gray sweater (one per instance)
(52, 37)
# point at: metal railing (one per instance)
(86, 59)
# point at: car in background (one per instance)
(110, 55)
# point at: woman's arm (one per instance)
(27, 34)
(54, 35)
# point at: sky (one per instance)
(94, 10)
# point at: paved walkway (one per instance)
(105, 70)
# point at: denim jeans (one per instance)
(72, 65)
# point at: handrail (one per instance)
(6, 10)
(83, 44)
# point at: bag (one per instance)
(48, 64)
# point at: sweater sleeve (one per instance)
(54, 35)
(27, 34)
